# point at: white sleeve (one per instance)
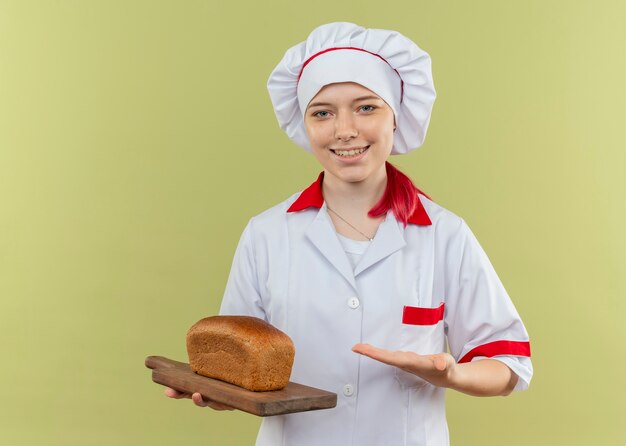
(242, 295)
(481, 321)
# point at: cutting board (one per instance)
(293, 398)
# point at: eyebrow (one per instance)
(362, 98)
(315, 104)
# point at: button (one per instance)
(353, 302)
(348, 390)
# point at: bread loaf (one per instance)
(242, 350)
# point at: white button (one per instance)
(353, 302)
(348, 390)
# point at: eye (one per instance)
(320, 114)
(368, 108)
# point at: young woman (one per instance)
(365, 273)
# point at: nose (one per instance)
(345, 127)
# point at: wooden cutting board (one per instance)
(293, 398)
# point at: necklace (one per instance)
(366, 236)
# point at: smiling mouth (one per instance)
(350, 152)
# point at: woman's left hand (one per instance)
(438, 369)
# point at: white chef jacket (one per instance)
(413, 289)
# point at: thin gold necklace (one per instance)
(348, 223)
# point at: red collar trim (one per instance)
(420, 216)
(312, 197)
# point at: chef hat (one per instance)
(385, 62)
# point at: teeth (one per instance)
(349, 152)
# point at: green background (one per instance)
(137, 138)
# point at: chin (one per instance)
(355, 177)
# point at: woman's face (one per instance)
(350, 129)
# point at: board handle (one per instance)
(161, 362)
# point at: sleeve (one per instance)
(242, 295)
(480, 319)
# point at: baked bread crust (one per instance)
(242, 350)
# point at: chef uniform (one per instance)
(412, 288)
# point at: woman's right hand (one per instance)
(197, 399)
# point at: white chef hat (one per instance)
(385, 62)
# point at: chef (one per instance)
(387, 296)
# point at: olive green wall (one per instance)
(137, 138)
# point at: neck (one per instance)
(359, 196)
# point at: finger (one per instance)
(201, 402)
(380, 354)
(371, 351)
(172, 393)
(198, 400)
(408, 361)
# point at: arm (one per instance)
(480, 319)
(487, 377)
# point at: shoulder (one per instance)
(268, 234)
(278, 211)
(450, 230)
(273, 217)
(441, 218)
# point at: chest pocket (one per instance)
(422, 332)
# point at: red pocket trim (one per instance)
(421, 315)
